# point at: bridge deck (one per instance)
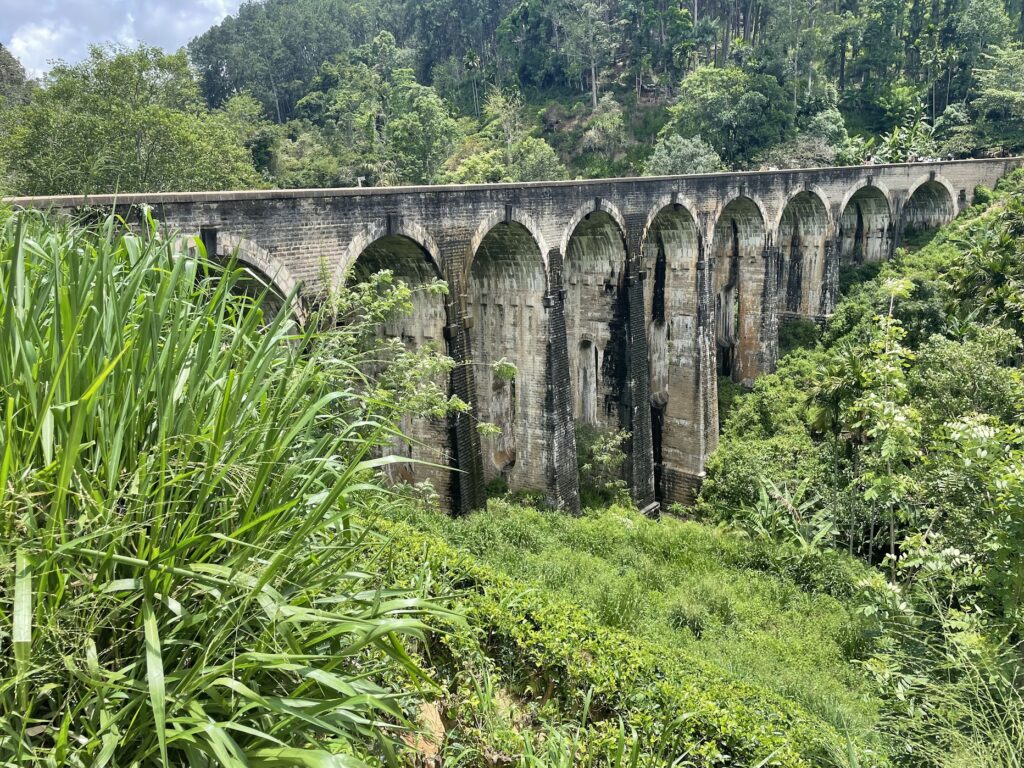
(65, 201)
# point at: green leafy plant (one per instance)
(181, 580)
(601, 456)
(797, 516)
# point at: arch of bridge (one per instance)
(265, 266)
(861, 184)
(597, 205)
(379, 229)
(511, 215)
(814, 191)
(936, 178)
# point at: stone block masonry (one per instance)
(618, 301)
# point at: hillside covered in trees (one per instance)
(307, 93)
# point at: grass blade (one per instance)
(22, 630)
(155, 675)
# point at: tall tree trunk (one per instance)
(931, 80)
(723, 53)
(277, 100)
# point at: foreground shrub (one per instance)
(180, 579)
(953, 689)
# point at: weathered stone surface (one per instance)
(616, 299)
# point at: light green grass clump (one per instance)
(694, 590)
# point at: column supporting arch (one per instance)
(468, 481)
(563, 488)
(707, 373)
(641, 459)
(679, 327)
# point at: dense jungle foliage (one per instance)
(315, 93)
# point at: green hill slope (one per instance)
(563, 651)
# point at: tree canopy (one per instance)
(131, 121)
(350, 92)
(13, 82)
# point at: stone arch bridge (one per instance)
(619, 301)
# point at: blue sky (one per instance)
(40, 31)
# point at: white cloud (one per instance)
(43, 31)
(37, 44)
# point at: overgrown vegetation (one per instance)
(797, 333)
(182, 578)
(600, 458)
(571, 661)
(898, 440)
(198, 565)
(779, 618)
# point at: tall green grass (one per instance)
(954, 693)
(181, 582)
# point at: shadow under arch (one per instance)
(425, 440)
(803, 234)
(742, 206)
(738, 243)
(269, 276)
(392, 226)
(670, 252)
(506, 286)
(511, 215)
(865, 224)
(594, 266)
(588, 209)
(930, 205)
